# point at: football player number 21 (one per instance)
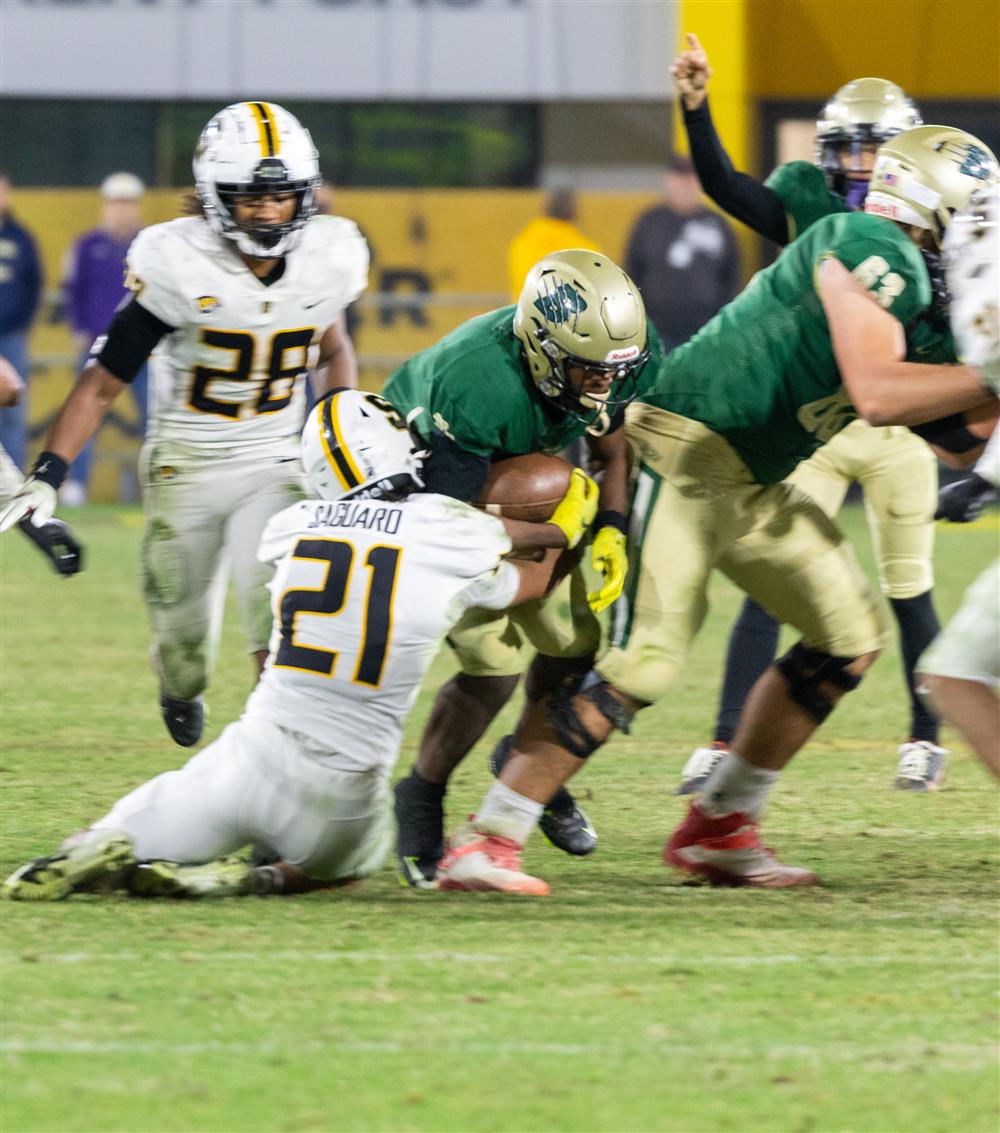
(279, 373)
(329, 599)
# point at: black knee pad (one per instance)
(565, 719)
(547, 674)
(806, 669)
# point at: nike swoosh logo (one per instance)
(315, 303)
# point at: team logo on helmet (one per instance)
(976, 162)
(561, 304)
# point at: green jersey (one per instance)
(474, 388)
(762, 373)
(804, 194)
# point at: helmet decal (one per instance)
(270, 142)
(559, 304)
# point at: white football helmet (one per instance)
(356, 445)
(253, 148)
(972, 268)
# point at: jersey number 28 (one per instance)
(243, 346)
(330, 598)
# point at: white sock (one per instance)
(508, 814)
(735, 785)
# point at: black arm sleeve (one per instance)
(130, 340)
(949, 433)
(452, 471)
(738, 193)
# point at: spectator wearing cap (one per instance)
(683, 256)
(20, 292)
(553, 231)
(94, 286)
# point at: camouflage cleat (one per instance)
(728, 851)
(54, 878)
(225, 877)
(921, 766)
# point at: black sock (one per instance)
(752, 646)
(424, 786)
(918, 626)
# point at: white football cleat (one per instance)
(477, 860)
(702, 763)
(921, 766)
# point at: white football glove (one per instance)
(989, 374)
(36, 498)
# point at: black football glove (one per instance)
(55, 540)
(963, 501)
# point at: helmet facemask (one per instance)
(595, 410)
(255, 150)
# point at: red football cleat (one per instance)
(478, 860)
(728, 851)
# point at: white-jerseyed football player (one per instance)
(961, 668)
(234, 303)
(370, 576)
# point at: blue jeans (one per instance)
(14, 419)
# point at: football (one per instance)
(526, 487)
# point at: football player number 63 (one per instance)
(330, 598)
(278, 370)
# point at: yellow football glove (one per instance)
(609, 554)
(576, 510)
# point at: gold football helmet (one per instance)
(922, 177)
(579, 309)
(864, 112)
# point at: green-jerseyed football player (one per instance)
(818, 337)
(558, 366)
(894, 467)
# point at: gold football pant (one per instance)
(898, 473)
(697, 508)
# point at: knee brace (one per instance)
(806, 669)
(547, 674)
(565, 720)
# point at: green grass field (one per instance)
(628, 1000)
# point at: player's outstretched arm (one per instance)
(77, 421)
(870, 348)
(737, 193)
(338, 365)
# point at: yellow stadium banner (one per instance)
(438, 258)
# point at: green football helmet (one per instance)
(863, 112)
(578, 308)
(922, 177)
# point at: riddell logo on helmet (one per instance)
(626, 354)
(881, 208)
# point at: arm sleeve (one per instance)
(451, 470)
(739, 194)
(130, 340)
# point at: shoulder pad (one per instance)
(338, 256)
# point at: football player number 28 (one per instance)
(329, 599)
(276, 381)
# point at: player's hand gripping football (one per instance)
(576, 510)
(609, 555)
(691, 71)
(35, 499)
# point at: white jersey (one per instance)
(233, 370)
(362, 596)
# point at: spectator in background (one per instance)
(683, 256)
(20, 292)
(94, 286)
(554, 231)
